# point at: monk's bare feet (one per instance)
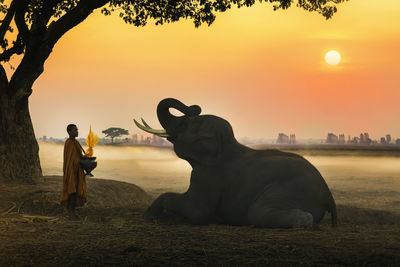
(72, 216)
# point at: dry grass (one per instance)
(35, 232)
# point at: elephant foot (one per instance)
(304, 219)
(277, 218)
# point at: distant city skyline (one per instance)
(282, 138)
(289, 134)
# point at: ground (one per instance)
(34, 231)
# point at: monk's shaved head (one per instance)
(70, 127)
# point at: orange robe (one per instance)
(74, 178)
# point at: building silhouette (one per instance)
(362, 139)
(342, 139)
(332, 139)
(292, 139)
(355, 140)
(282, 139)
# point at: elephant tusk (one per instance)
(145, 123)
(163, 135)
(147, 128)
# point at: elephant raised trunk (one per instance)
(170, 122)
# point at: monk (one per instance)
(74, 183)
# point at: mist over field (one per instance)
(154, 169)
(368, 179)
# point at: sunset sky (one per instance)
(263, 71)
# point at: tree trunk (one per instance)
(19, 149)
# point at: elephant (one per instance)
(234, 184)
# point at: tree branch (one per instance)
(23, 30)
(3, 80)
(7, 20)
(17, 48)
(46, 12)
(73, 18)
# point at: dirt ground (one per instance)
(34, 231)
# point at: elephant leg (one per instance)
(279, 218)
(155, 210)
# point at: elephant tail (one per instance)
(332, 211)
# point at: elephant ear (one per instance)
(206, 148)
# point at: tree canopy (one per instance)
(56, 17)
(115, 132)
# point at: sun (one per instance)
(333, 57)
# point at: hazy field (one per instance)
(368, 179)
(155, 169)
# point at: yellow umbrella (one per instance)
(91, 141)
